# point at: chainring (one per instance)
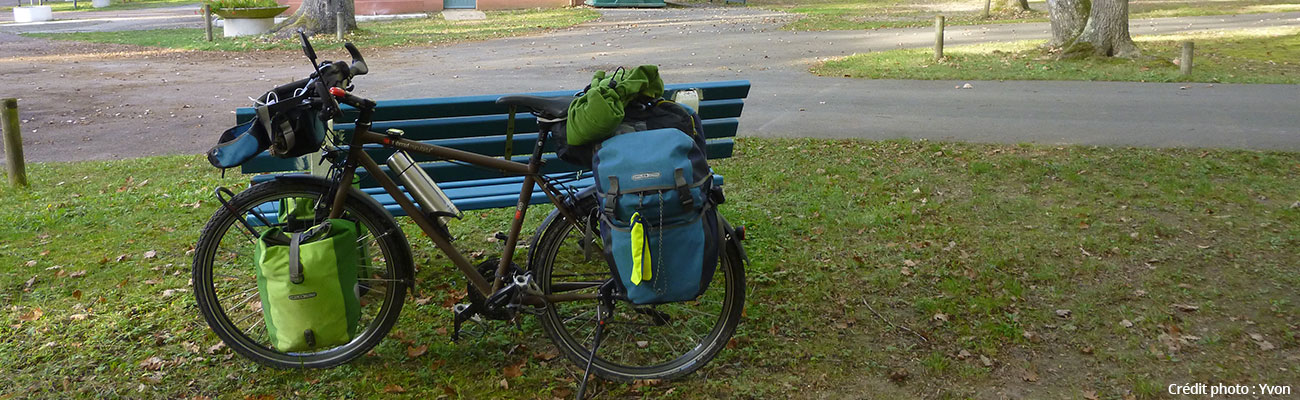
(488, 269)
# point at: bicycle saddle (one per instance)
(553, 108)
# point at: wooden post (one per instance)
(1186, 63)
(938, 37)
(338, 25)
(13, 144)
(207, 21)
(987, 4)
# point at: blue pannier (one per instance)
(659, 226)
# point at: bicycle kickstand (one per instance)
(603, 309)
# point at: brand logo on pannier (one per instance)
(302, 296)
(645, 175)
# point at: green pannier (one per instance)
(308, 285)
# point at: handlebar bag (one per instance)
(239, 144)
(660, 228)
(293, 125)
(307, 282)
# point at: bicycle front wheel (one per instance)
(641, 342)
(225, 277)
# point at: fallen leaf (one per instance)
(1265, 345)
(1186, 307)
(423, 300)
(76, 294)
(152, 364)
(1126, 323)
(1030, 376)
(940, 317)
(32, 315)
(150, 254)
(547, 355)
(394, 389)
(562, 393)
(1031, 336)
(78, 317)
(909, 263)
(988, 362)
(1063, 313)
(1090, 394)
(31, 263)
(962, 355)
(513, 371)
(77, 274)
(30, 282)
(641, 344)
(121, 258)
(504, 384)
(906, 271)
(899, 375)
(416, 351)
(437, 364)
(216, 347)
(1086, 350)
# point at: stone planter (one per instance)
(248, 21)
(99, 3)
(33, 14)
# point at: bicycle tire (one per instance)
(623, 355)
(387, 246)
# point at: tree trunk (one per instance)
(1068, 18)
(318, 16)
(1082, 28)
(1016, 5)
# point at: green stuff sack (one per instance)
(311, 303)
(597, 112)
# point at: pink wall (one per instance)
(379, 7)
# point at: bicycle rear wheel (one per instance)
(662, 341)
(225, 280)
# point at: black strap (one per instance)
(683, 189)
(510, 134)
(310, 337)
(611, 196)
(295, 265)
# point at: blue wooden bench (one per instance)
(478, 124)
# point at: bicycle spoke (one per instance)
(223, 299)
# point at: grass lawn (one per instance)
(872, 14)
(432, 30)
(1245, 56)
(1047, 272)
(84, 5)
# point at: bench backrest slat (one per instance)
(477, 124)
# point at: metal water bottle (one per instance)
(422, 187)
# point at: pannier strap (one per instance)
(611, 195)
(295, 265)
(684, 189)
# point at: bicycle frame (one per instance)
(357, 157)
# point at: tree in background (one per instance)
(1082, 28)
(318, 16)
(1016, 5)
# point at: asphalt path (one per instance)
(787, 101)
(64, 123)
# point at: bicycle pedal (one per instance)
(461, 313)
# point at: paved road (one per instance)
(786, 100)
(149, 102)
(186, 16)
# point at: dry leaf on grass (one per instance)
(394, 389)
(513, 371)
(32, 315)
(150, 254)
(1186, 307)
(416, 351)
